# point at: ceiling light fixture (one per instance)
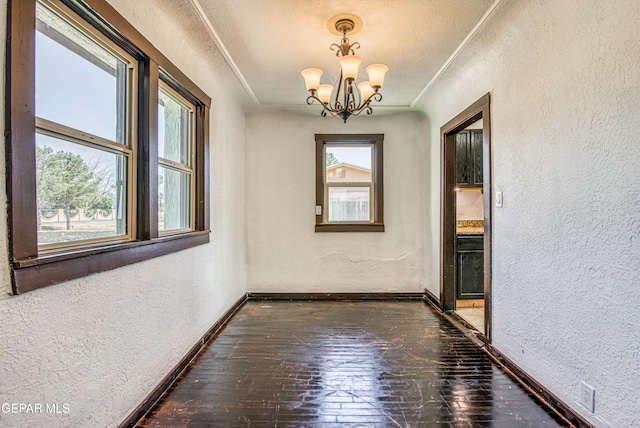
(350, 98)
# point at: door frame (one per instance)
(478, 110)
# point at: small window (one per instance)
(175, 163)
(349, 188)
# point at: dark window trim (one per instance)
(58, 269)
(30, 271)
(378, 199)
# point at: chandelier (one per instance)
(350, 98)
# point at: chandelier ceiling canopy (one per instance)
(349, 98)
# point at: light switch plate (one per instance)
(318, 209)
(499, 199)
(587, 396)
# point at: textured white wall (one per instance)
(284, 252)
(100, 344)
(564, 79)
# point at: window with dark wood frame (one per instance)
(32, 268)
(371, 221)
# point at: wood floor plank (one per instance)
(344, 363)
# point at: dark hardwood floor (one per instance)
(344, 364)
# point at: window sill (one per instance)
(350, 227)
(32, 274)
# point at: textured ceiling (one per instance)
(268, 42)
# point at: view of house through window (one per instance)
(83, 150)
(349, 182)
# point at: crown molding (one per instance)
(225, 52)
(475, 30)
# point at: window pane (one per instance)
(173, 129)
(348, 164)
(78, 82)
(174, 199)
(349, 204)
(81, 192)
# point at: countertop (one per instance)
(470, 227)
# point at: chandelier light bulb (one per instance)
(365, 90)
(324, 93)
(312, 78)
(376, 74)
(350, 64)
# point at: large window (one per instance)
(84, 144)
(349, 184)
(106, 142)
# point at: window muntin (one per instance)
(349, 183)
(175, 162)
(84, 156)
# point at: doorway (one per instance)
(465, 285)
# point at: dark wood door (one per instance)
(470, 267)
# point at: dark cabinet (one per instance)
(470, 267)
(469, 158)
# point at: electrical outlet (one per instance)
(587, 396)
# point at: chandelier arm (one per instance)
(348, 94)
(357, 96)
(353, 105)
(324, 112)
(337, 48)
(344, 48)
(335, 101)
(359, 110)
(366, 108)
(332, 113)
(326, 107)
(367, 104)
(376, 96)
(312, 97)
